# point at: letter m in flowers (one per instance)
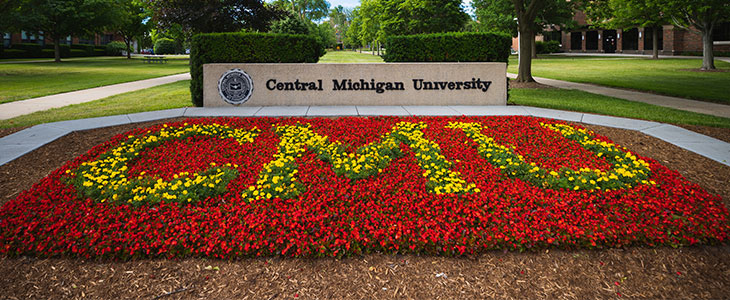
(279, 177)
(627, 169)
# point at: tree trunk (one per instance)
(708, 57)
(378, 48)
(533, 48)
(524, 73)
(655, 43)
(57, 49)
(129, 48)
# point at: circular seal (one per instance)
(235, 86)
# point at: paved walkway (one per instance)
(720, 110)
(25, 141)
(725, 59)
(18, 108)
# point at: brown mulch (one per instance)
(636, 272)
(11, 130)
(722, 134)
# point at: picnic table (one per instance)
(154, 58)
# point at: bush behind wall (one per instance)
(240, 47)
(448, 47)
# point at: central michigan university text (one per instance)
(377, 86)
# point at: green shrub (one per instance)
(547, 47)
(32, 50)
(450, 46)
(15, 53)
(63, 48)
(240, 47)
(165, 46)
(115, 48)
(99, 50)
(87, 49)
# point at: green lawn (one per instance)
(580, 101)
(665, 76)
(171, 95)
(349, 57)
(176, 95)
(29, 80)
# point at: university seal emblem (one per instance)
(235, 86)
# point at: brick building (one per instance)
(24, 37)
(672, 40)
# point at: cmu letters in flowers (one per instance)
(314, 187)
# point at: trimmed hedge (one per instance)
(547, 47)
(448, 47)
(240, 47)
(115, 48)
(165, 46)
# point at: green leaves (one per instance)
(454, 46)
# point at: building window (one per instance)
(86, 40)
(721, 32)
(576, 41)
(648, 42)
(107, 38)
(6, 40)
(591, 40)
(553, 35)
(630, 39)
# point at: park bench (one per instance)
(154, 59)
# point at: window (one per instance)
(6, 40)
(576, 41)
(648, 42)
(630, 39)
(721, 32)
(107, 38)
(591, 40)
(86, 40)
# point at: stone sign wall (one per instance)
(355, 84)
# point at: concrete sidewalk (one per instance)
(25, 141)
(22, 107)
(720, 110)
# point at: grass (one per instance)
(667, 76)
(580, 101)
(177, 94)
(29, 80)
(349, 57)
(166, 96)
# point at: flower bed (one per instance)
(233, 187)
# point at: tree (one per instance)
(495, 15)
(702, 16)
(352, 36)
(57, 19)
(290, 25)
(613, 14)
(132, 23)
(310, 10)
(11, 14)
(201, 16)
(422, 16)
(532, 17)
(371, 12)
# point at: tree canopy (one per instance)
(198, 16)
(614, 14)
(57, 19)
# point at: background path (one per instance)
(17, 108)
(720, 110)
